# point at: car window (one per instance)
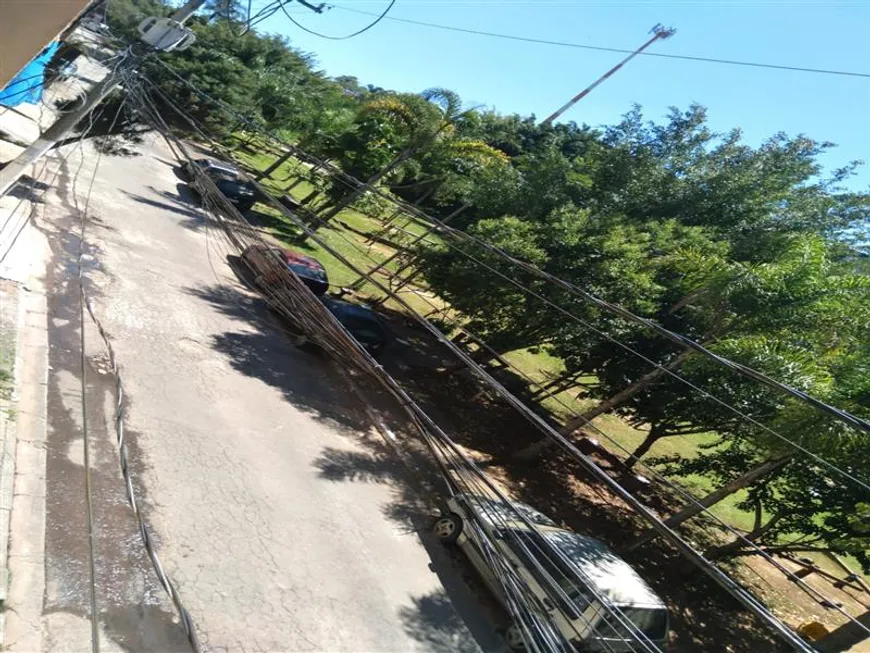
(307, 271)
(652, 622)
(363, 330)
(492, 510)
(367, 336)
(558, 579)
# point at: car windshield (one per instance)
(213, 168)
(366, 331)
(494, 510)
(228, 186)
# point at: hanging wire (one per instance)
(218, 205)
(377, 20)
(458, 235)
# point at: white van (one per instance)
(569, 572)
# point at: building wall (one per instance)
(27, 26)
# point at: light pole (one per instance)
(658, 32)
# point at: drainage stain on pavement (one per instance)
(134, 613)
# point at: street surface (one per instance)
(277, 510)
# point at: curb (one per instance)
(11, 319)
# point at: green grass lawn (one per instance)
(361, 253)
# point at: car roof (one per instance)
(488, 507)
(346, 309)
(612, 576)
(218, 164)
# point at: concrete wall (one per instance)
(27, 26)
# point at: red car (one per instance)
(260, 259)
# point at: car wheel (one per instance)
(448, 528)
(513, 637)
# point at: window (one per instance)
(307, 271)
(556, 578)
(652, 622)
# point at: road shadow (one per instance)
(183, 202)
(29, 189)
(268, 353)
(177, 204)
(703, 615)
(461, 615)
(176, 168)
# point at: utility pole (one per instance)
(658, 32)
(13, 170)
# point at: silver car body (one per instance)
(583, 575)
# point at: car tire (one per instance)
(513, 637)
(448, 528)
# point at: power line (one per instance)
(735, 589)
(566, 44)
(378, 19)
(459, 235)
(470, 477)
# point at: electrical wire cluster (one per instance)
(489, 527)
(270, 9)
(316, 329)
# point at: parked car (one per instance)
(568, 574)
(260, 260)
(362, 323)
(210, 166)
(242, 194)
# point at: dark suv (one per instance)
(242, 194)
(362, 323)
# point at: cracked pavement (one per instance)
(228, 426)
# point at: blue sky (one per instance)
(529, 78)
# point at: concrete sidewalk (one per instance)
(24, 253)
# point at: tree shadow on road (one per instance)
(433, 621)
(458, 617)
(174, 204)
(306, 380)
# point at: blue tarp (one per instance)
(28, 85)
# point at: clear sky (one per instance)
(527, 78)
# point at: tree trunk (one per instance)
(272, 168)
(845, 637)
(732, 547)
(537, 448)
(352, 197)
(307, 199)
(744, 480)
(641, 384)
(655, 434)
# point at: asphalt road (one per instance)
(280, 515)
